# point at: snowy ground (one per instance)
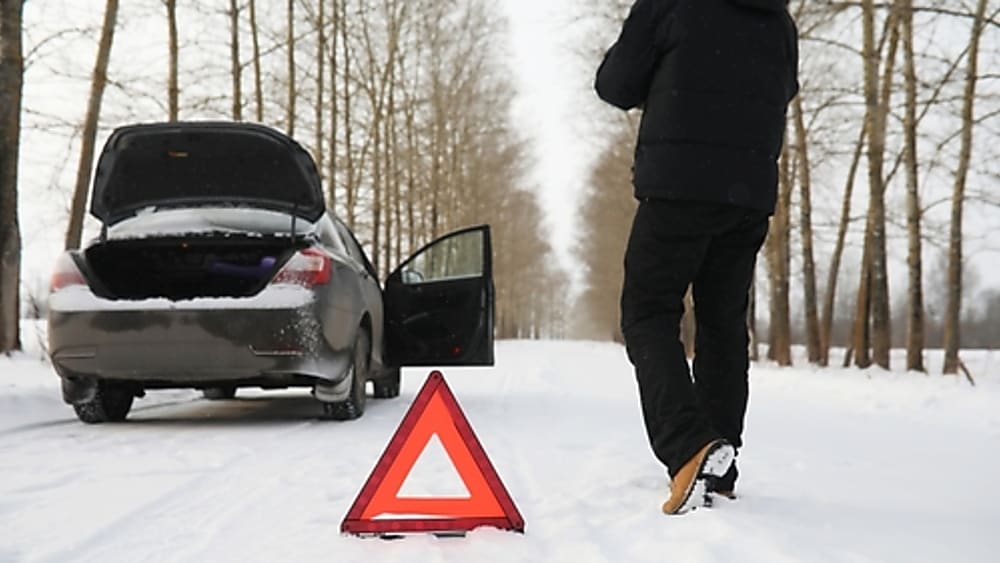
(839, 466)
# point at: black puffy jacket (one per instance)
(714, 78)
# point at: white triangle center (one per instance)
(433, 475)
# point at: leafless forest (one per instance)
(889, 177)
(890, 147)
(402, 103)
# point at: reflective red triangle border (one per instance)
(356, 523)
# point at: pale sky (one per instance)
(555, 107)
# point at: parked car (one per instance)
(218, 266)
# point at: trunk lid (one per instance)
(198, 164)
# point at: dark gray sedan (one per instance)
(219, 267)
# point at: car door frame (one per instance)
(445, 321)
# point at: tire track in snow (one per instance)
(47, 424)
(204, 502)
(293, 470)
(122, 471)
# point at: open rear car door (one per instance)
(439, 303)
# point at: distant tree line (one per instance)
(894, 99)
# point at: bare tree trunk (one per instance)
(255, 39)
(173, 90)
(234, 46)
(376, 185)
(411, 173)
(861, 331)
(780, 349)
(437, 151)
(388, 186)
(334, 106)
(392, 152)
(350, 173)
(98, 81)
(292, 93)
(838, 252)
(813, 346)
(11, 88)
(875, 119)
(915, 292)
(320, 84)
(953, 311)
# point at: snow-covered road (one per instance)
(839, 466)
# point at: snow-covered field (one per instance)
(840, 465)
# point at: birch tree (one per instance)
(779, 268)
(11, 86)
(876, 277)
(173, 86)
(257, 81)
(915, 296)
(290, 51)
(234, 56)
(98, 82)
(805, 225)
(952, 324)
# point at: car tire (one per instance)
(354, 406)
(388, 386)
(219, 393)
(111, 403)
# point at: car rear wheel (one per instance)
(388, 386)
(219, 393)
(111, 403)
(354, 406)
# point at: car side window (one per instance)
(457, 257)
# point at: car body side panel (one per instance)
(354, 294)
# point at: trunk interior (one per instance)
(186, 268)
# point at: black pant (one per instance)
(672, 246)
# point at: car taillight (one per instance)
(65, 274)
(309, 267)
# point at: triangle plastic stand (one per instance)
(380, 511)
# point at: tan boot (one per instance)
(689, 485)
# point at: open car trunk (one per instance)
(186, 268)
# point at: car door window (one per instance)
(455, 258)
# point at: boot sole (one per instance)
(715, 464)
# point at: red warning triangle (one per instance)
(380, 510)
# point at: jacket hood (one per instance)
(766, 5)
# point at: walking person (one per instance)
(713, 79)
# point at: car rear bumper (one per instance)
(176, 344)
